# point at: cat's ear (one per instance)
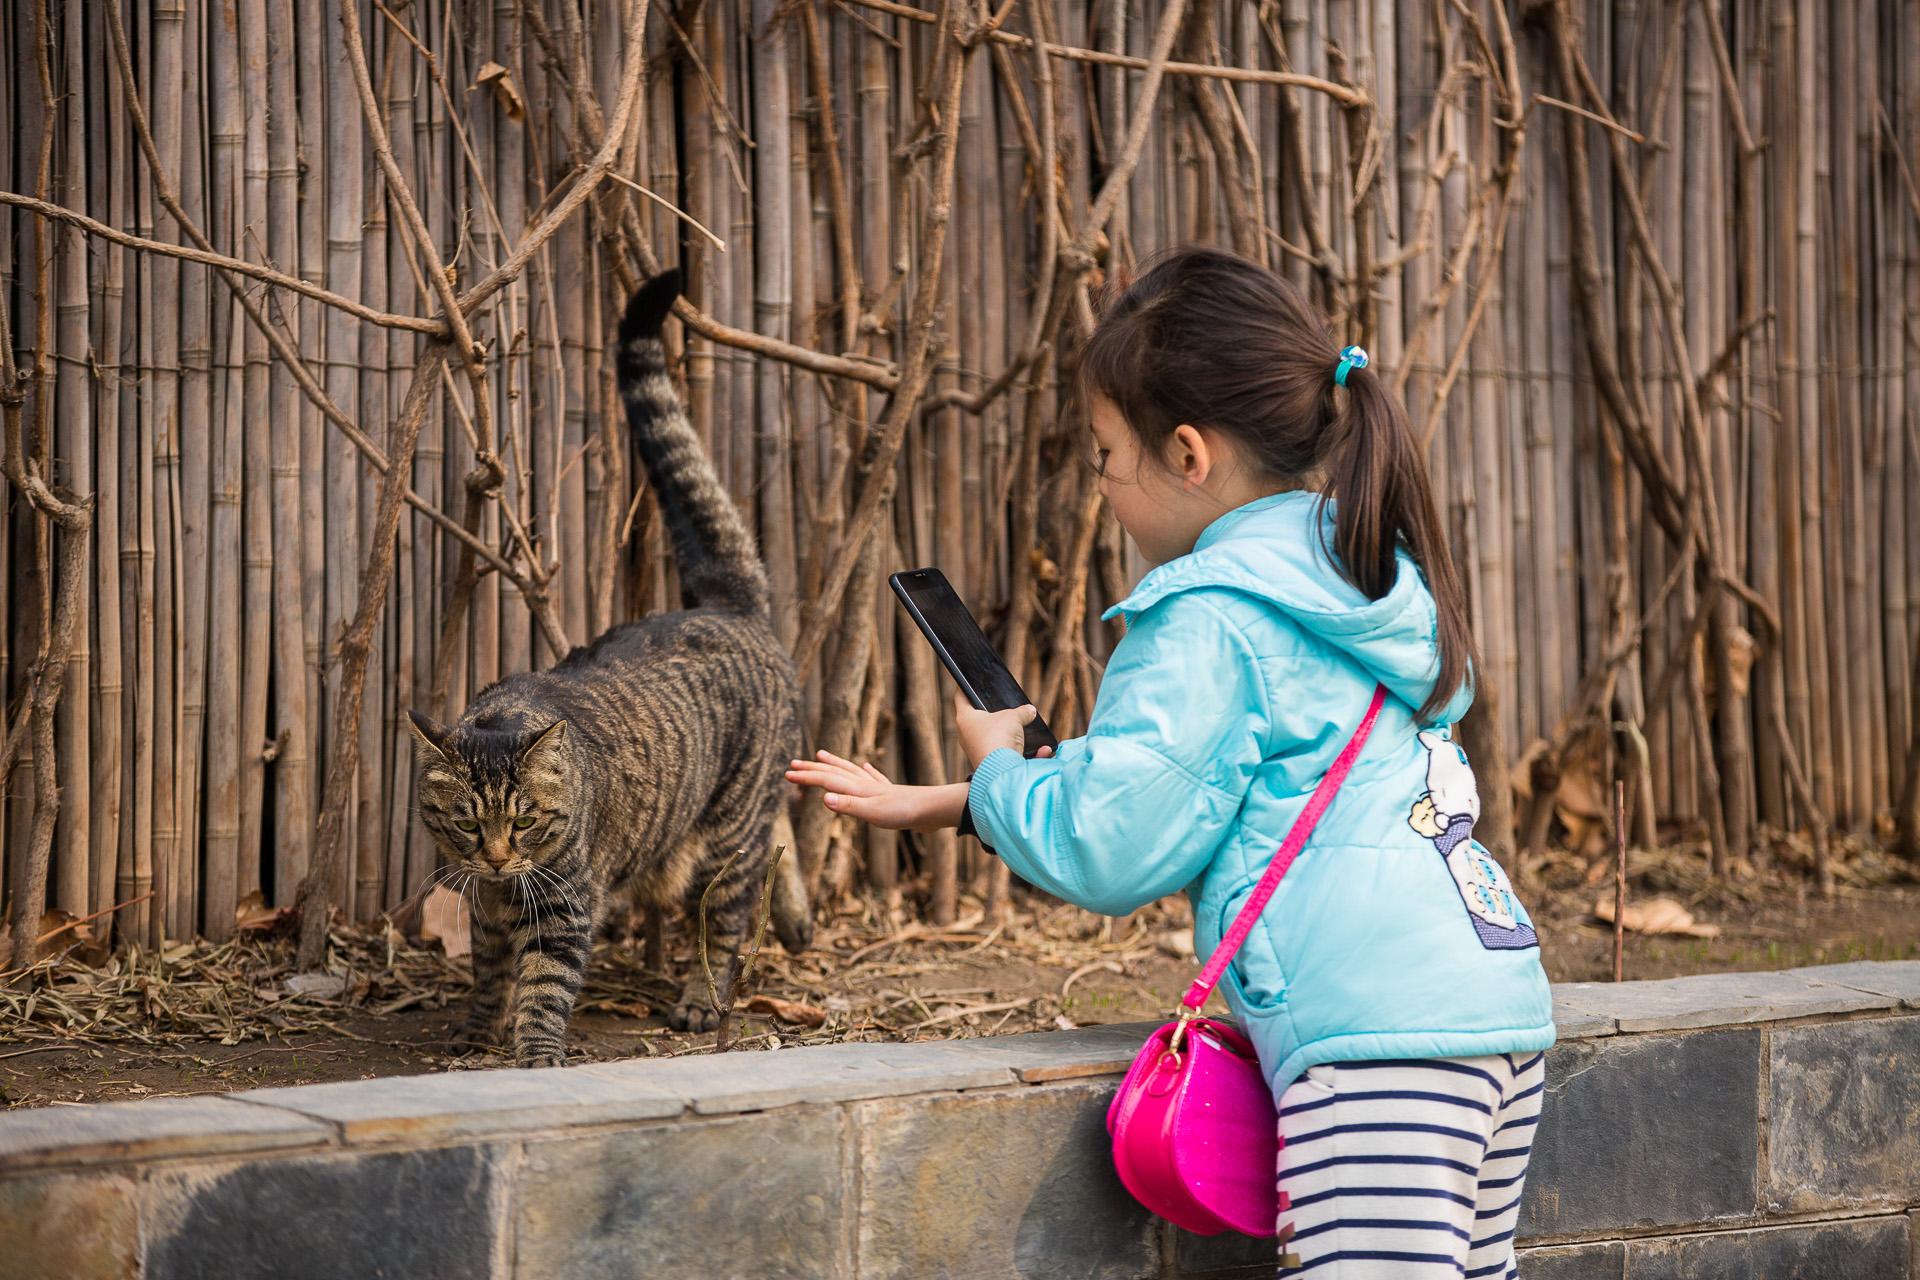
(431, 734)
(544, 746)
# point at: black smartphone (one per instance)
(930, 601)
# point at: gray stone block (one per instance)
(762, 1196)
(1044, 1056)
(471, 1102)
(1228, 1253)
(1008, 1184)
(1582, 1010)
(1844, 1115)
(729, 1083)
(1640, 1131)
(346, 1217)
(77, 1227)
(117, 1131)
(1727, 999)
(1606, 1261)
(1860, 1249)
(1896, 979)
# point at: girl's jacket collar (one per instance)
(1279, 548)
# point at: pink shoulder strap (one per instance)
(1289, 849)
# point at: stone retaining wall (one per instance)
(1746, 1126)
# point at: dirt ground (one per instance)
(200, 1018)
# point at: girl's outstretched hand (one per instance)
(864, 792)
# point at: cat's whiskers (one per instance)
(532, 910)
(552, 877)
(471, 893)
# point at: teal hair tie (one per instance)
(1350, 358)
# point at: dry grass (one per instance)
(872, 974)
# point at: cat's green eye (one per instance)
(522, 823)
(467, 824)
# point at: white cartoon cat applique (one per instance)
(1445, 815)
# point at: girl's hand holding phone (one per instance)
(984, 732)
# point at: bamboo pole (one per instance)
(774, 227)
(116, 548)
(292, 780)
(73, 442)
(256, 527)
(220, 888)
(151, 704)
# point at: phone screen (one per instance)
(964, 649)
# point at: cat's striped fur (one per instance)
(633, 768)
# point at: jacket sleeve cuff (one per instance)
(966, 827)
(999, 761)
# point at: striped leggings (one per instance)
(1407, 1169)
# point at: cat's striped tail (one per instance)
(719, 565)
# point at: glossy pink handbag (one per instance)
(1196, 1138)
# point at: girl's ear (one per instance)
(1191, 455)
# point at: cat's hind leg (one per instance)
(729, 908)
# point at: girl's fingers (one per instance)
(854, 806)
(872, 772)
(820, 776)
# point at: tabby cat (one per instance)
(633, 769)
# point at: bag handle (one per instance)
(1289, 849)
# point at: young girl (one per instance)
(1393, 985)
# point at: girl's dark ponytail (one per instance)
(1206, 337)
(1377, 479)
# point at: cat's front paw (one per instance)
(474, 1037)
(540, 1054)
(694, 1014)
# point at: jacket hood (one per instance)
(1280, 549)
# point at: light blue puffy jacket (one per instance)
(1246, 666)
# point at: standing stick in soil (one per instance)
(1620, 881)
(741, 964)
(322, 887)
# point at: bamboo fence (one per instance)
(310, 418)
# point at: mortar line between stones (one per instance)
(1722, 1226)
(854, 1152)
(506, 1241)
(1763, 1140)
(850, 1178)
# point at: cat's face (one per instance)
(497, 802)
